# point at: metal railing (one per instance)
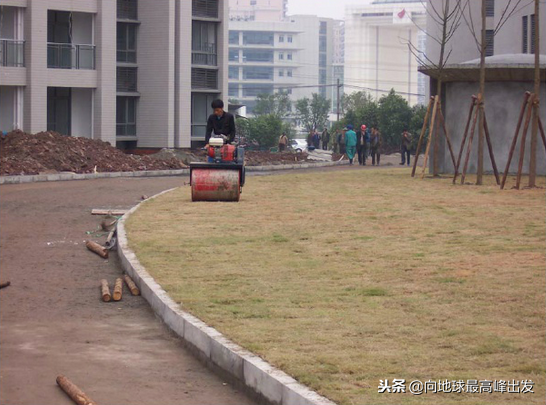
(70, 56)
(12, 53)
(204, 54)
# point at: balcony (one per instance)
(12, 53)
(70, 56)
(204, 54)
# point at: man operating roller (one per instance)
(221, 123)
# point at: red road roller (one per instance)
(221, 178)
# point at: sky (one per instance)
(322, 8)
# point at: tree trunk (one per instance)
(536, 104)
(105, 291)
(77, 395)
(131, 284)
(481, 133)
(118, 290)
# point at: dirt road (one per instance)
(53, 322)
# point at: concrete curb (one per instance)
(244, 367)
(19, 179)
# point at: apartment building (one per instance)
(377, 56)
(129, 72)
(294, 56)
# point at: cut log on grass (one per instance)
(76, 394)
(105, 291)
(6, 284)
(116, 212)
(118, 289)
(96, 248)
(132, 286)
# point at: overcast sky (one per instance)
(322, 8)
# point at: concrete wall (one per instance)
(503, 104)
(7, 107)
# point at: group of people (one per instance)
(363, 143)
(316, 140)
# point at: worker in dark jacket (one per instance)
(221, 123)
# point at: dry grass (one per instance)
(348, 277)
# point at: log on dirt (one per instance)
(76, 394)
(105, 291)
(101, 211)
(4, 285)
(131, 284)
(96, 248)
(118, 290)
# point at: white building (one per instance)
(377, 56)
(258, 10)
(133, 73)
(294, 56)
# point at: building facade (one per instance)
(258, 10)
(294, 56)
(132, 73)
(377, 55)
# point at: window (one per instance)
(257, 56)
(233, 90)
(200, 111)
(234, 37)
(253, 90)
(127, 10)
(322, 60)
(204, 78)
(126, 113)
(281, 56)
(322, 76)
(281, 38)
(126, 79)
(289, 39)
(322, 29)
(281, 73)
(205, 8)
(322, 43)
(233, 55)
(489, 42)
(252, 2)
(204, 43)
(258, 73)
(533, 31)
(525, 34)
(289, 73)
(490, 8)
(126, 42)
(289, 56)
(233, 72)
(257, 38)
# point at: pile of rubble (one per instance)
(46, 152)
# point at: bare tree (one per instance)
(482, 43)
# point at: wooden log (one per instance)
(116, 212)
(490, 147)
(515, 139)
(76, 394)
(96, 248)
(469, 149)
(465, 136)
(118, 290)
(446, 133)
(430, 134)
(4, 285)
(109, 238)
(131, 284)
(105, 291)
(523, 139)
(421, 137)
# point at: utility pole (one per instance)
(338, 99)
(534, 130)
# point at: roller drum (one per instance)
(215, 185)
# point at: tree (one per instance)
(416, 124)
(277, 104)
(313, 113)
(265, 129)
(394, 114)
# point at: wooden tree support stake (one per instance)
(76, 394)
(448, 139)
(432, 133)
(490, 147)
(421, 137)
(131, 284)
(96, 248)
(105, 291)
(541, 128)
(523, 139)
(515, 139)
(472, 131)
(99, 211)
(118, 290)
(6, 284)
(465, 136)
